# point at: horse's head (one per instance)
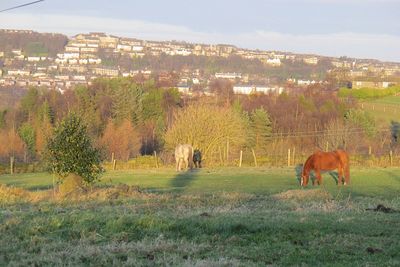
(304, 179)
(305, 175)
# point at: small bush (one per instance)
(71, 184)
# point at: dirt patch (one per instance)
(301, 194)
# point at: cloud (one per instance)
(379, 46)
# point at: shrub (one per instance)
(70, 150)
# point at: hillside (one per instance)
(32, 43)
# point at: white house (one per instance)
(274, 62)
(228, 75)
(33, 59)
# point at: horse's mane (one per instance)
(307, 163)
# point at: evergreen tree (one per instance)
(70, 151)
(127, 100)
(28, 136)
(260, 127)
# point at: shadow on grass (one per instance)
(182, 180)
(39, 187)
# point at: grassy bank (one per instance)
(214, 217)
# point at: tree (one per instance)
(362, 119)
(122, 140)
(28, 135)
(223, 89)
(11, 144)
(207, 127)
(261, 128)
(127, 99)
(70, 151)
(337, 134)
(29, 102)
(3, 118)
(395, 130)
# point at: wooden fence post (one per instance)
(288, 157)
(12, 165)
(369, 151)
(391, 158)
(114, 164)
(240, 158)
(327, 146)
(112, 157)
(227, 151)
(156, 159)
(255, 158)
(294, 152)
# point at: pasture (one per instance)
(384, 110)
(211, 217)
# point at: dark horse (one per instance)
(326, 161)
(197, 158)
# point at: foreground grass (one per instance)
(222, 217)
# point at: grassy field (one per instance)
(211, 217)
(384, 109)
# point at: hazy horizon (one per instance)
(358, 29)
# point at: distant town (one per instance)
(189, 67)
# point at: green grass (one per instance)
(213, 217)
(365, 182)
(384, 110)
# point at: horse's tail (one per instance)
(345, 160)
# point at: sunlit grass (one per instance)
(384, 110)
(211, 217)
(366, 182)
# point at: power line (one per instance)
(23, 5)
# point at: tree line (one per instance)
(126, 118)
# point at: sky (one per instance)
(353, 28)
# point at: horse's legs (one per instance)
(340, 176)
(319, 177)
(177, 165)
(186, 163)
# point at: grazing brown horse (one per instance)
(326, 161)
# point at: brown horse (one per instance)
(326, 161)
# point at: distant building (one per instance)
(274, 62)
(311, 60)
(112, 72)
(228, 75)
(18, 72)
(255, 89)
(369, 84)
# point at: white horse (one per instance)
(184, 153)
